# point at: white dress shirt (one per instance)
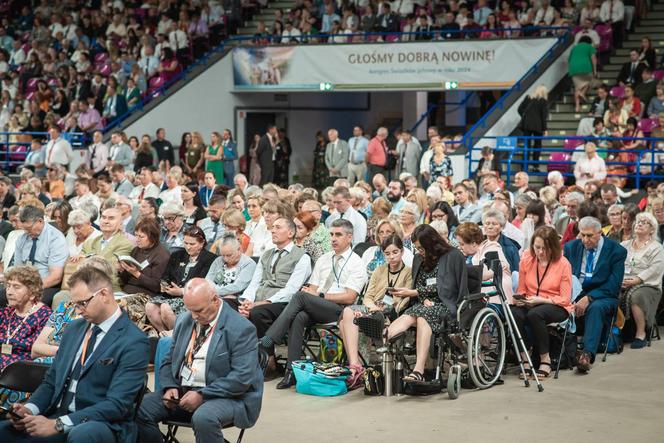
(58, 151)
(352, 274)
(594, 166)
(612, 11)
(356, 219)
(300, 274)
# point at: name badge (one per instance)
(431, 281)
(589, 275)
(6, 349)
(186, 373)
(335, 289)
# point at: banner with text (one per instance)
(464, 64)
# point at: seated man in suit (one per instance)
(599, 264)
(88, 394)
(211, 373)
(338, 277)
(630, 73)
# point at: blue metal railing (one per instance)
(517, 87)
(15, 146)
(368, 38)
(565, 166)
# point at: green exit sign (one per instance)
(451, 85)
(326, 86)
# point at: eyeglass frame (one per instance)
(83, 304)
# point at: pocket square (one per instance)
(222, 354)
(106, 362)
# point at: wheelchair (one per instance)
(470, 349)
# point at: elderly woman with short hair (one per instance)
(21, 320)
(235, 222)
(81, 229)
(231, 272)
(642, 283)
(172, 233)
(521, 203)
(615, 220)
(493, 222)
(409, 214)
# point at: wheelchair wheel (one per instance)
(454, 382)
(486, 348)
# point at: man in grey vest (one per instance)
(280, 273)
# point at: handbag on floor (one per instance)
(320, 379)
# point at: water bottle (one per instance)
(388, 368)
(398, 378)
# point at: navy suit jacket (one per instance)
(609, 270)
(109, 382)
(232, 370)
(229, 160)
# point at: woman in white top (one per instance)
(256, 228)
(642, 283)
(173, 193)
(81, 230)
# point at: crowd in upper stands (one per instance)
(343, 22)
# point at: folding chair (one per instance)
(617, 322)
(23, 376)
(172, 426)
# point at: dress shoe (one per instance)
(287, 381)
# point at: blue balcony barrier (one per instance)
(15, 146)
(516, 151)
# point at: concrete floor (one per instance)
(618, 401)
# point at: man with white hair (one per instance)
(598, 263)
(572, 202)
(84, 195)
(409, 151)
(556, 179)
(521, 180)
(241, 183)
(336, 155)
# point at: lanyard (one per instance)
(20, 325)
(337, 277)
(208, 194)
(540, 280)
(190, 347)
(390, 284)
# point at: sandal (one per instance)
(528, 371)
(414, 377)
(541, 373)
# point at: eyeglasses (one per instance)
(643, 222)
(170, 219)
(84, 303)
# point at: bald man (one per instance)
(210, 375)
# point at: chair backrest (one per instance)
(571, 143)
(360, 248)
(617, 91)
(474, 278)
(23, 376)
(648, 124)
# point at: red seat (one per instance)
(558, 157)
(101, 57)
(648, 124)
(605, 37)
(572, 143)
(617, 92)
(30, 95)
(659, 75)
(105, 70)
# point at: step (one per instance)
(567, 116)
(569, 107)
(566, 125)
(643, 28)
(612, 69)
(635, 39)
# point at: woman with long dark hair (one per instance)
(439, 281)
(321, 174)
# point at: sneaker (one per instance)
(638, 344)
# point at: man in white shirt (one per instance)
(521, 182)
(58, 150)
(290, 34)
(464, 210)
(589, 32)
(149, 62)
(212, 225)
(83, 195)
(545, 13)
(341, 200)
(146, 188)
(335, 283)
(612, 12)
(17, 56)
(280, 273)
(98, 152)
(590, 167)
(357, 146)
(121, 184)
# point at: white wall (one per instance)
(208, 104)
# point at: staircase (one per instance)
(563, 120)
(266, 16)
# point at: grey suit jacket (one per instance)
(121, 154)
(232, 370)
(124, 188)
(337, 158)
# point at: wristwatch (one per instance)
(59, 426)
(321, 294)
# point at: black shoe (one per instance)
(287, 381)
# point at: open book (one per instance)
(132, 261)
